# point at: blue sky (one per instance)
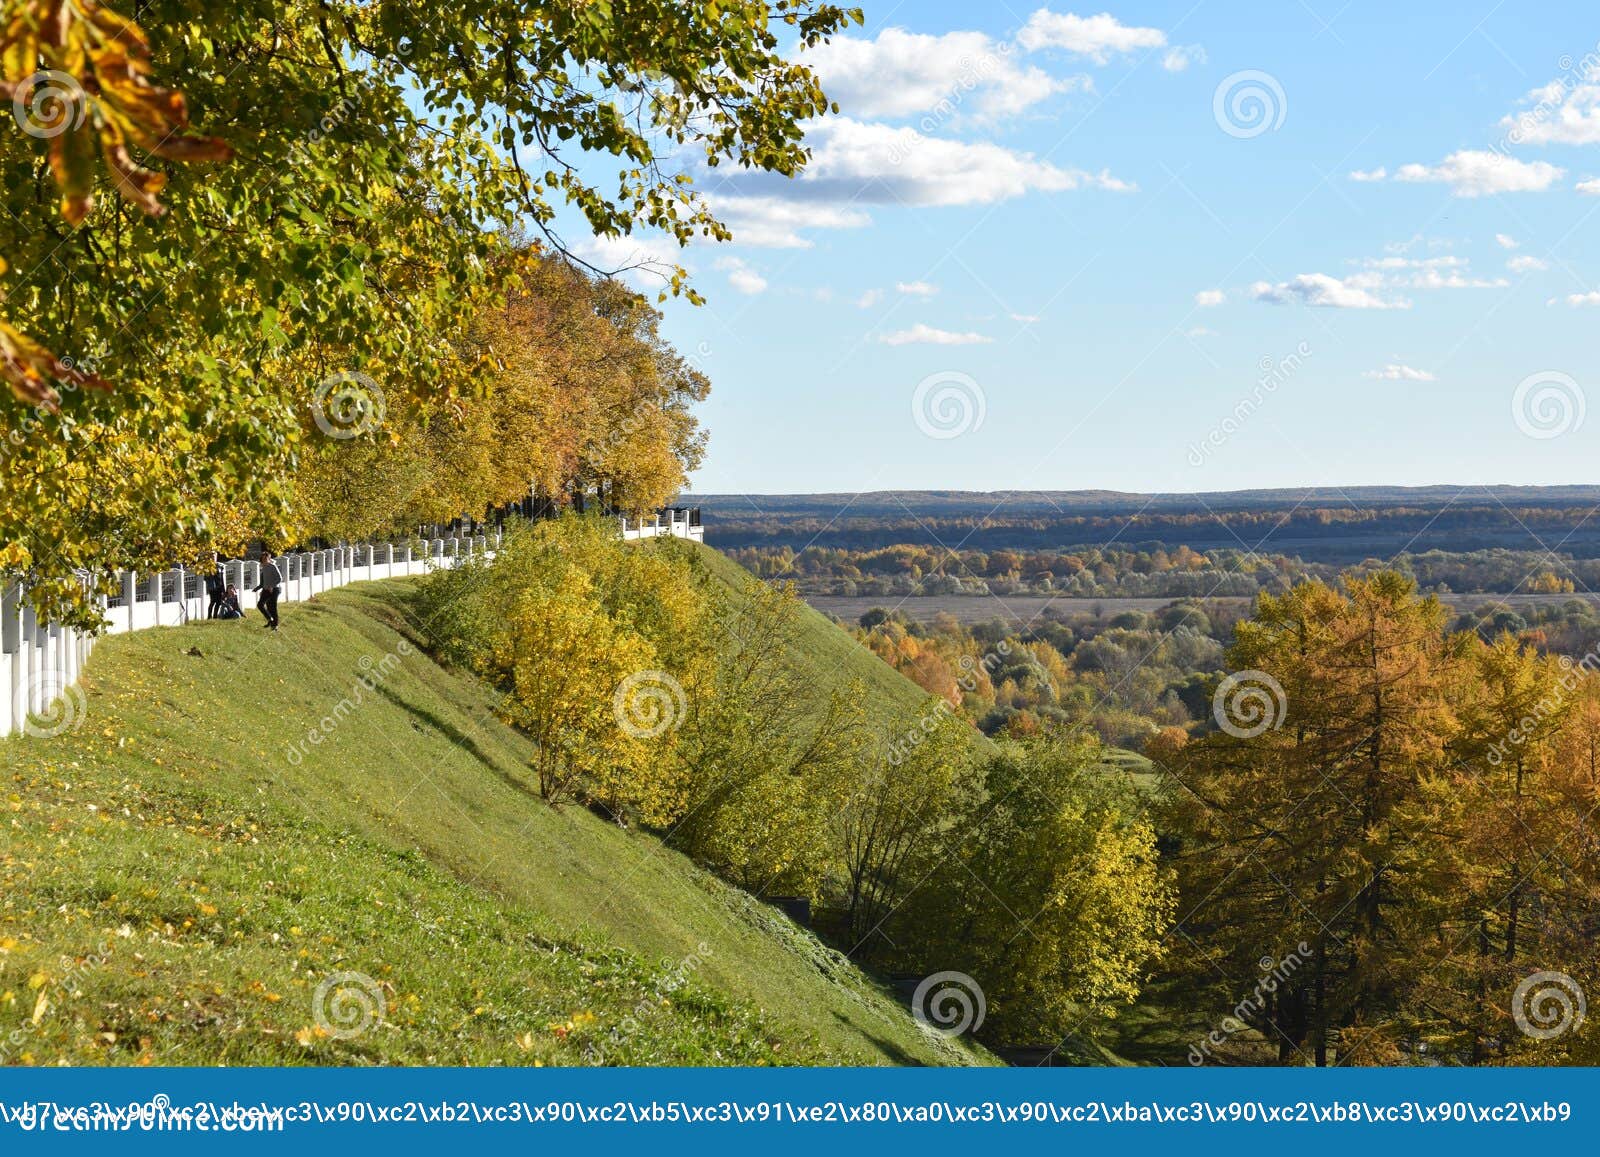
(1376, 265)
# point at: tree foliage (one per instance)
(383, 161)
(1054, 899)
(1417, 813)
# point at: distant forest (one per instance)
(1326, 526)
(1502, 540)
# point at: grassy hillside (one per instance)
(182, 874)
(827, 655)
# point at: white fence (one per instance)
(40, 662)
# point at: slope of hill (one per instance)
(318, 846)
(827, 655)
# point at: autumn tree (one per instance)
(598, 646)
(1305, 820)
(766, 760)
(559, 654)
(577, 399)
(899, 814)
(222, 215)
(1052, 898)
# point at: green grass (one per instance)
(174, 888)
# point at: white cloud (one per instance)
(1180, 56)
(916, 288)
(1321, 289)
(741, 276)
(1209, 298)
(1025, 318)
(1526, 264)
(1097, 37)
(1477, 173)
(1395, 372)
(869, 299)
(859, 161)
(1592, 298)
(1377, 174)
(1440, 279)
(1393, 272)
(1555, 115)
(902, 74)
(1505, 241)
(927, 335)
(775, 223)
(1589, 185)
(1199, 331)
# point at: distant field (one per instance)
(1024, 608)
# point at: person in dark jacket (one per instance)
(229, 607)
(271, 582)
(216, 587)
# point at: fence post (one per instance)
(56, 645)
(32, 666)
(15, 676)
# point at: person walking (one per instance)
(270, 583)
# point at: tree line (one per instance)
(1145, 570)
(1342, 535)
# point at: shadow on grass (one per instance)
(893, 1051)
(462, 740)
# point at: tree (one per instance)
(898, 814)
(562, 654)
(1054, 899)
(1310, 823)
(599, 647)
(764, 769)
(382, 163)
(581, 400)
